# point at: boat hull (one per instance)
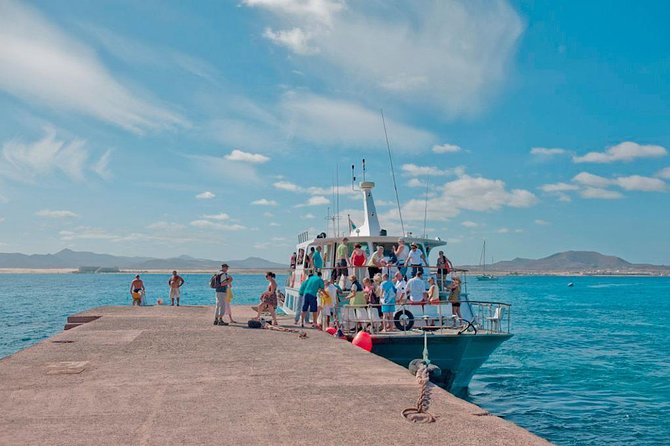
(458, 356)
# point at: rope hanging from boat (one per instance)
(419, 413)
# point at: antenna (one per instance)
(337, 191)
(425, 211)
(395, 186)
(363, 169)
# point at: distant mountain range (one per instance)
(573, 261)
(75, 259)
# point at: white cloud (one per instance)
(264, 202)
(588, 179)
(625, 151)
(165, 226)
(208, 224)
(219, 217)
(316, 200)
(598, 193)
(43, 64)
(541, 222)
(272, 223)
(424, 171)
(322, 121)
(465, 193)
(226, 170)
(503, 231)
(558, 187)
(640, 183)
(294, 39)
(29, 162)
(449, 55)
(255, 158)
(314, 190)
(207, 195)
(446, 148)
(309, 216)
(469, 224)
(542, 151)
(287, 185)
(268, 214)
(55, 214)
(101, 167)
(664, 173)
(415, 182)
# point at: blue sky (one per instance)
(214, 129)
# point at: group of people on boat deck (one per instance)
(371, 299)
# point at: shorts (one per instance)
(175, 293)
(310, 303)
(455, 304)
(388, 308)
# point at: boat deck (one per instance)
(166, 375)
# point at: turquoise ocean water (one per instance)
(588, 365)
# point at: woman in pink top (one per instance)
(357, 260)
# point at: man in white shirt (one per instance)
(400, 287)
(416, 259)
(416, 288)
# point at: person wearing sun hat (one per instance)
(416, 259)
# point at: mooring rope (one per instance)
(419, 414)
(301, 333)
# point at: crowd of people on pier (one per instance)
(366, 288)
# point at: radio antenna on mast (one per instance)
(425, 211)
(395, 186)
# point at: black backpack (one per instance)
(215, 281)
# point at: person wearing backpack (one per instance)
(220, 282)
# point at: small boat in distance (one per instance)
(482, 262)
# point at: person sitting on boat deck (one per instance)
(341, 260)
(312, 287)
(416, 288)
(376, 261)
(444, 267)
(455, 296)
(401, 285)
(317, 259)
(433, 293)
(357, 298)
(401, 253)
(357, 260)
(269, 298)
(416, 259)
(388, 302)
(137, 290)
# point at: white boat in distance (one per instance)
(458, 347)
(482, 264)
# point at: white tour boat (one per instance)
(458, 346)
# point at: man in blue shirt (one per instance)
(310, 291)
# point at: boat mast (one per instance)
(395, 186)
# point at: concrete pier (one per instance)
(167, 376)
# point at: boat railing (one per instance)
(478, 317)
(441, 277)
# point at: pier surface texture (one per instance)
(167, 376)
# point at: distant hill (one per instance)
(67, 258)
(573, 261)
